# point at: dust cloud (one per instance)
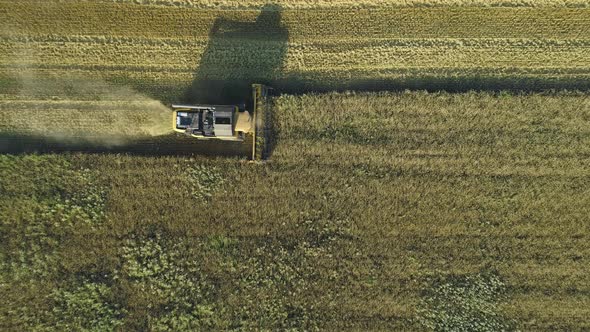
(71, 107)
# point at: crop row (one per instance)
(238, 59)
(128, 20)
(518, 128)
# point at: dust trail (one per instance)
(73, 108)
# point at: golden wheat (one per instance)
(160, 51)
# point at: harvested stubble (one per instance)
(161, 51)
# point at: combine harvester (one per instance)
(220, 130)
(230, 123)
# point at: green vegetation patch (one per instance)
(86, 307)
(204, 180)
(464, 303)
(35, 219)
(46, 201)
(291, 282)
(161, 278)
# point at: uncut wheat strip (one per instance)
(496, 55)
(88, 18)
(522, 160)
(478, 112)
(548, 274)
(434, 111)
(307, 4)
(456, 146)
(547, 310)
(457, 129)
(488, 105)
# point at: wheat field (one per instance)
(404, 211)
(443, 185)
(162, 50)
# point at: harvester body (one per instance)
(228, 122)
(222, 122)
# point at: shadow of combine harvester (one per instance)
(15, 143)
(241, 57)
(238, 54)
